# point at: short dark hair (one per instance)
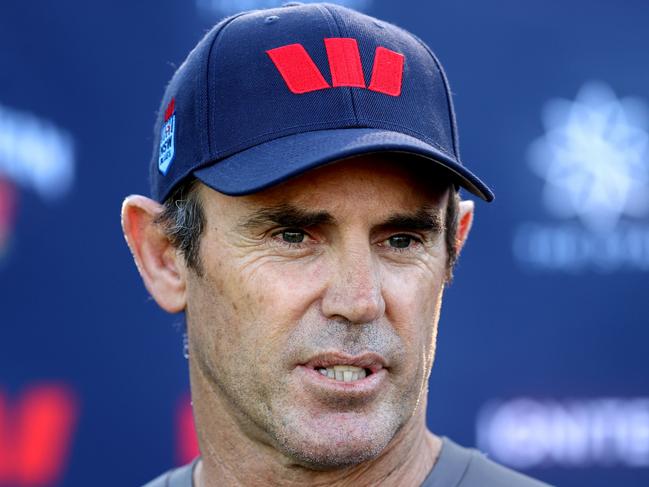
(183, 220)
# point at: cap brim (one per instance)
(269, 163)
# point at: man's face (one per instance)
(342, 266)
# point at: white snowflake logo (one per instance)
(594, 157)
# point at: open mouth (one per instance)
(346, 368)
(345, 373)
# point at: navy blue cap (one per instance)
(269, 94)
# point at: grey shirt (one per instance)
(456, 467)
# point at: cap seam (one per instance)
(421, 136)
(325, 126)
(449, 101)
(342, 32)
(217, 39)
(285, 133)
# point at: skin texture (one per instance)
(363, 276)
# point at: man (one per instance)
(305, 218)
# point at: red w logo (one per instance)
(186, 441)
(302, 75)
(35, 435)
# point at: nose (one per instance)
(354, 291)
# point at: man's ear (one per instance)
(161, 267)
(464, 224)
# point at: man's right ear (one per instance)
(162, 268)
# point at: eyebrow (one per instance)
(426, 219)
(286, 215)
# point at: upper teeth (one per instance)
(346, 373)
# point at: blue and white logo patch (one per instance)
(167, 144)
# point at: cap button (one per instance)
(292, 4)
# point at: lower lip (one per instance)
(361, 387)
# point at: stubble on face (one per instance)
(256, 315)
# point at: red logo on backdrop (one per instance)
(8, 197)
(35, 435)
(302, 75)
(186, 444)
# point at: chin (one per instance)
(332, 456)
(335, 441)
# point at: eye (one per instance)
(400, 241)
(292, 236)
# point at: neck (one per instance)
(230, 456)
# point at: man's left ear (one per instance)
(464, 225)
(159, 263)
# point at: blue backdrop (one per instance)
(542, 356)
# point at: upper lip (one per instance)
(372, 361)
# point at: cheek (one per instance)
(413, 291)
(412, 297)
(260, 300)
(280, 292)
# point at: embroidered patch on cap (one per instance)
(167, 138)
